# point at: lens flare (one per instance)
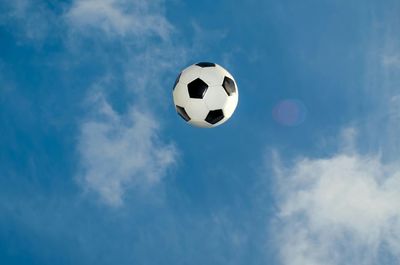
(289, 112)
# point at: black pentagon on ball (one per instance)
(182, 112)
(205, 64)
(176, 81)
(229, 86)
(214, 116)
(197, 88)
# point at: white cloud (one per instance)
(120, 17)
(119, 152)
(343, 209)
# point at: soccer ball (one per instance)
(205, 95)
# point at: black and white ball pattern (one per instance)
(205, 95)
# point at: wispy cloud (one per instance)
(119, 152)
(120, 18)
(343, 209)
(28, 21)
(382, 83)
(391, 60)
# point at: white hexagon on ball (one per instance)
(205, 95)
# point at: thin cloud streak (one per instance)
(120, 18)
(30, 22)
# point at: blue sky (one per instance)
(96, 166)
